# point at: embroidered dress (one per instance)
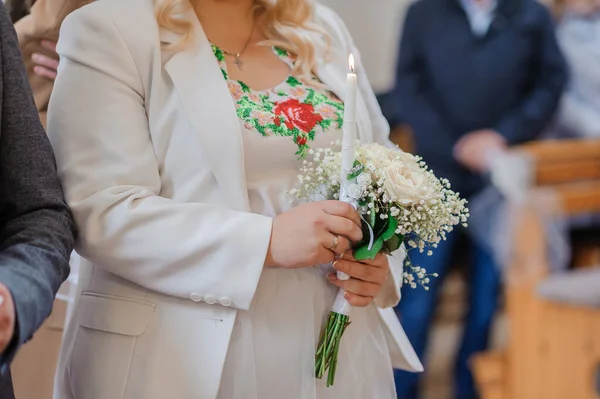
(271, 352)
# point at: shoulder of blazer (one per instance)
(133, 19)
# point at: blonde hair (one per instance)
(287, 24)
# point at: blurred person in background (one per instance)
(37, 24)
(36, 228)
(473, 77)
(579, 38)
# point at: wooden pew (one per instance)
(554, 349)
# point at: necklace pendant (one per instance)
(238, 63)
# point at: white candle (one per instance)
(348, 154)
(349, 131)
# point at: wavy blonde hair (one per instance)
(288, 24)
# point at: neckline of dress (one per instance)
(283, 55)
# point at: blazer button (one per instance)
(211, 300)
(195, 297)
(225, 301)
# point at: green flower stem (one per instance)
(329, 345)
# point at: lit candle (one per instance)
(349, 131)
(348, 154)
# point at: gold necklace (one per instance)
(236, 56)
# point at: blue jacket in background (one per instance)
(451, 82)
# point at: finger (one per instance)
(343, 244)
(358, 301)
(342, 209)
(325, 256)
(361, 271)
(44, 61)
(354, 286)
(50, 45)
(380, 261)
(343, 227)
(44, 72)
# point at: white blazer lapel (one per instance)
(205, 96)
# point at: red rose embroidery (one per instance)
(297, 114)
(301, 140)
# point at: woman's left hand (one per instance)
(46, 66)
(366, 277)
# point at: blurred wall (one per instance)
(375, 26)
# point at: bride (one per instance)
(179, 126)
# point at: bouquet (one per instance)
(398, 200)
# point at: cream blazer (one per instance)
(150, 152)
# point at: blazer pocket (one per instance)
(114, 314)
(109, 328)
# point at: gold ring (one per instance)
(336, 241)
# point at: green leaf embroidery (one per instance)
(292, 81)
(218, 53)
(319, 98)
(280, 52)
(325, 124)
(245, 88)
(310, 97)
(225, 76)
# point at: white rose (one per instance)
(354, 191)
(408, 183)
(364, 179)
(381, 157)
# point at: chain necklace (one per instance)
(236, 56)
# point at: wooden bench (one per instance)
(554, 349)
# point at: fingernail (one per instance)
(337, 265)
(35, 56)
(1, 300)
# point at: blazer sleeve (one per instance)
(533, 114)
(390, 294)
(36, 228)
(112, 182)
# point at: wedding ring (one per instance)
(336, 241)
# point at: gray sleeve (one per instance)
(36, 227)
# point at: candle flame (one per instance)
(351, 62)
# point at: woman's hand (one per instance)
(313, 234)
(366, 278)
(46, 66)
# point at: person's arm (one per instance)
(530, 117)
(112, 178)
(38, 33)
(36, 228)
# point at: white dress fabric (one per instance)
(271, 353)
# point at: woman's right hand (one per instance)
(305, 236)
